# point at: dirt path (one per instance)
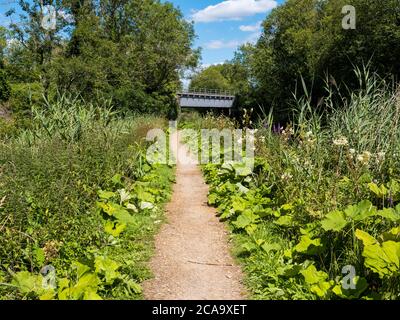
(192, 260)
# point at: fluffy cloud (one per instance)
(233, 10)
(252, 27)
(221, 44)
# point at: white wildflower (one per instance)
(380, 157)
(341, 141)
(364, 157)
(286, 176)
(309, 134)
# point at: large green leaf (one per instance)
(360, 211)
(334, 221)
(27, 282)
(242, 188)
(144, 195)
(242, 169)
(108, 268)
(360, 284)
(114, 228)
(285, 221)
(309, 246)
(124, 195)
(124, 217)
(380, 258)
(80, 268)
(317, 281)
(246, 219)
(322, 288)
(88, 282)
(312, 275)
(238, 204)
(393, 234)
(390, 214)
(106, 194)
(109, 208)
(380, 192)
(91, 294)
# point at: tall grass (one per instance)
(50, 174)
(370, 117)
(360, 134)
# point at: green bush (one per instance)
(5, 89)
(50, 176)
(7, 128)
(25, 95)
(324, 197)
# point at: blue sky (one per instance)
(221, 25)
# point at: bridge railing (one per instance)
(204, 91)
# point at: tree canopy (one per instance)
(304, 39)
(303, 44)
(131, 52)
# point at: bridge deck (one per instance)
(206, 99)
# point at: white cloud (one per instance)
(221, 44)
(233, 10)
(252, 27)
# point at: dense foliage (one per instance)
(80, 203)
(303, 45)
(323, 200)
(305, 39)
(77, 195)
(129, 51)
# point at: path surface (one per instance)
(192, 260)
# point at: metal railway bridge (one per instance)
(203, 98)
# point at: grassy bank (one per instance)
(78, 195)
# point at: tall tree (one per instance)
(35, 40)
(303, 40)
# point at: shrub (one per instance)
(5, 89)
(24, 96)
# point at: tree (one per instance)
(34, 43)
(303, 41)
(210, 78)
(130, 52)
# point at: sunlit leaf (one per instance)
(106, 194)
(309, 246)
(334, 221)
(114, 228)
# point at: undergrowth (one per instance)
(318, 215)
(57, 242)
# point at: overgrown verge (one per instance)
(79, 204)
(318, 217)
